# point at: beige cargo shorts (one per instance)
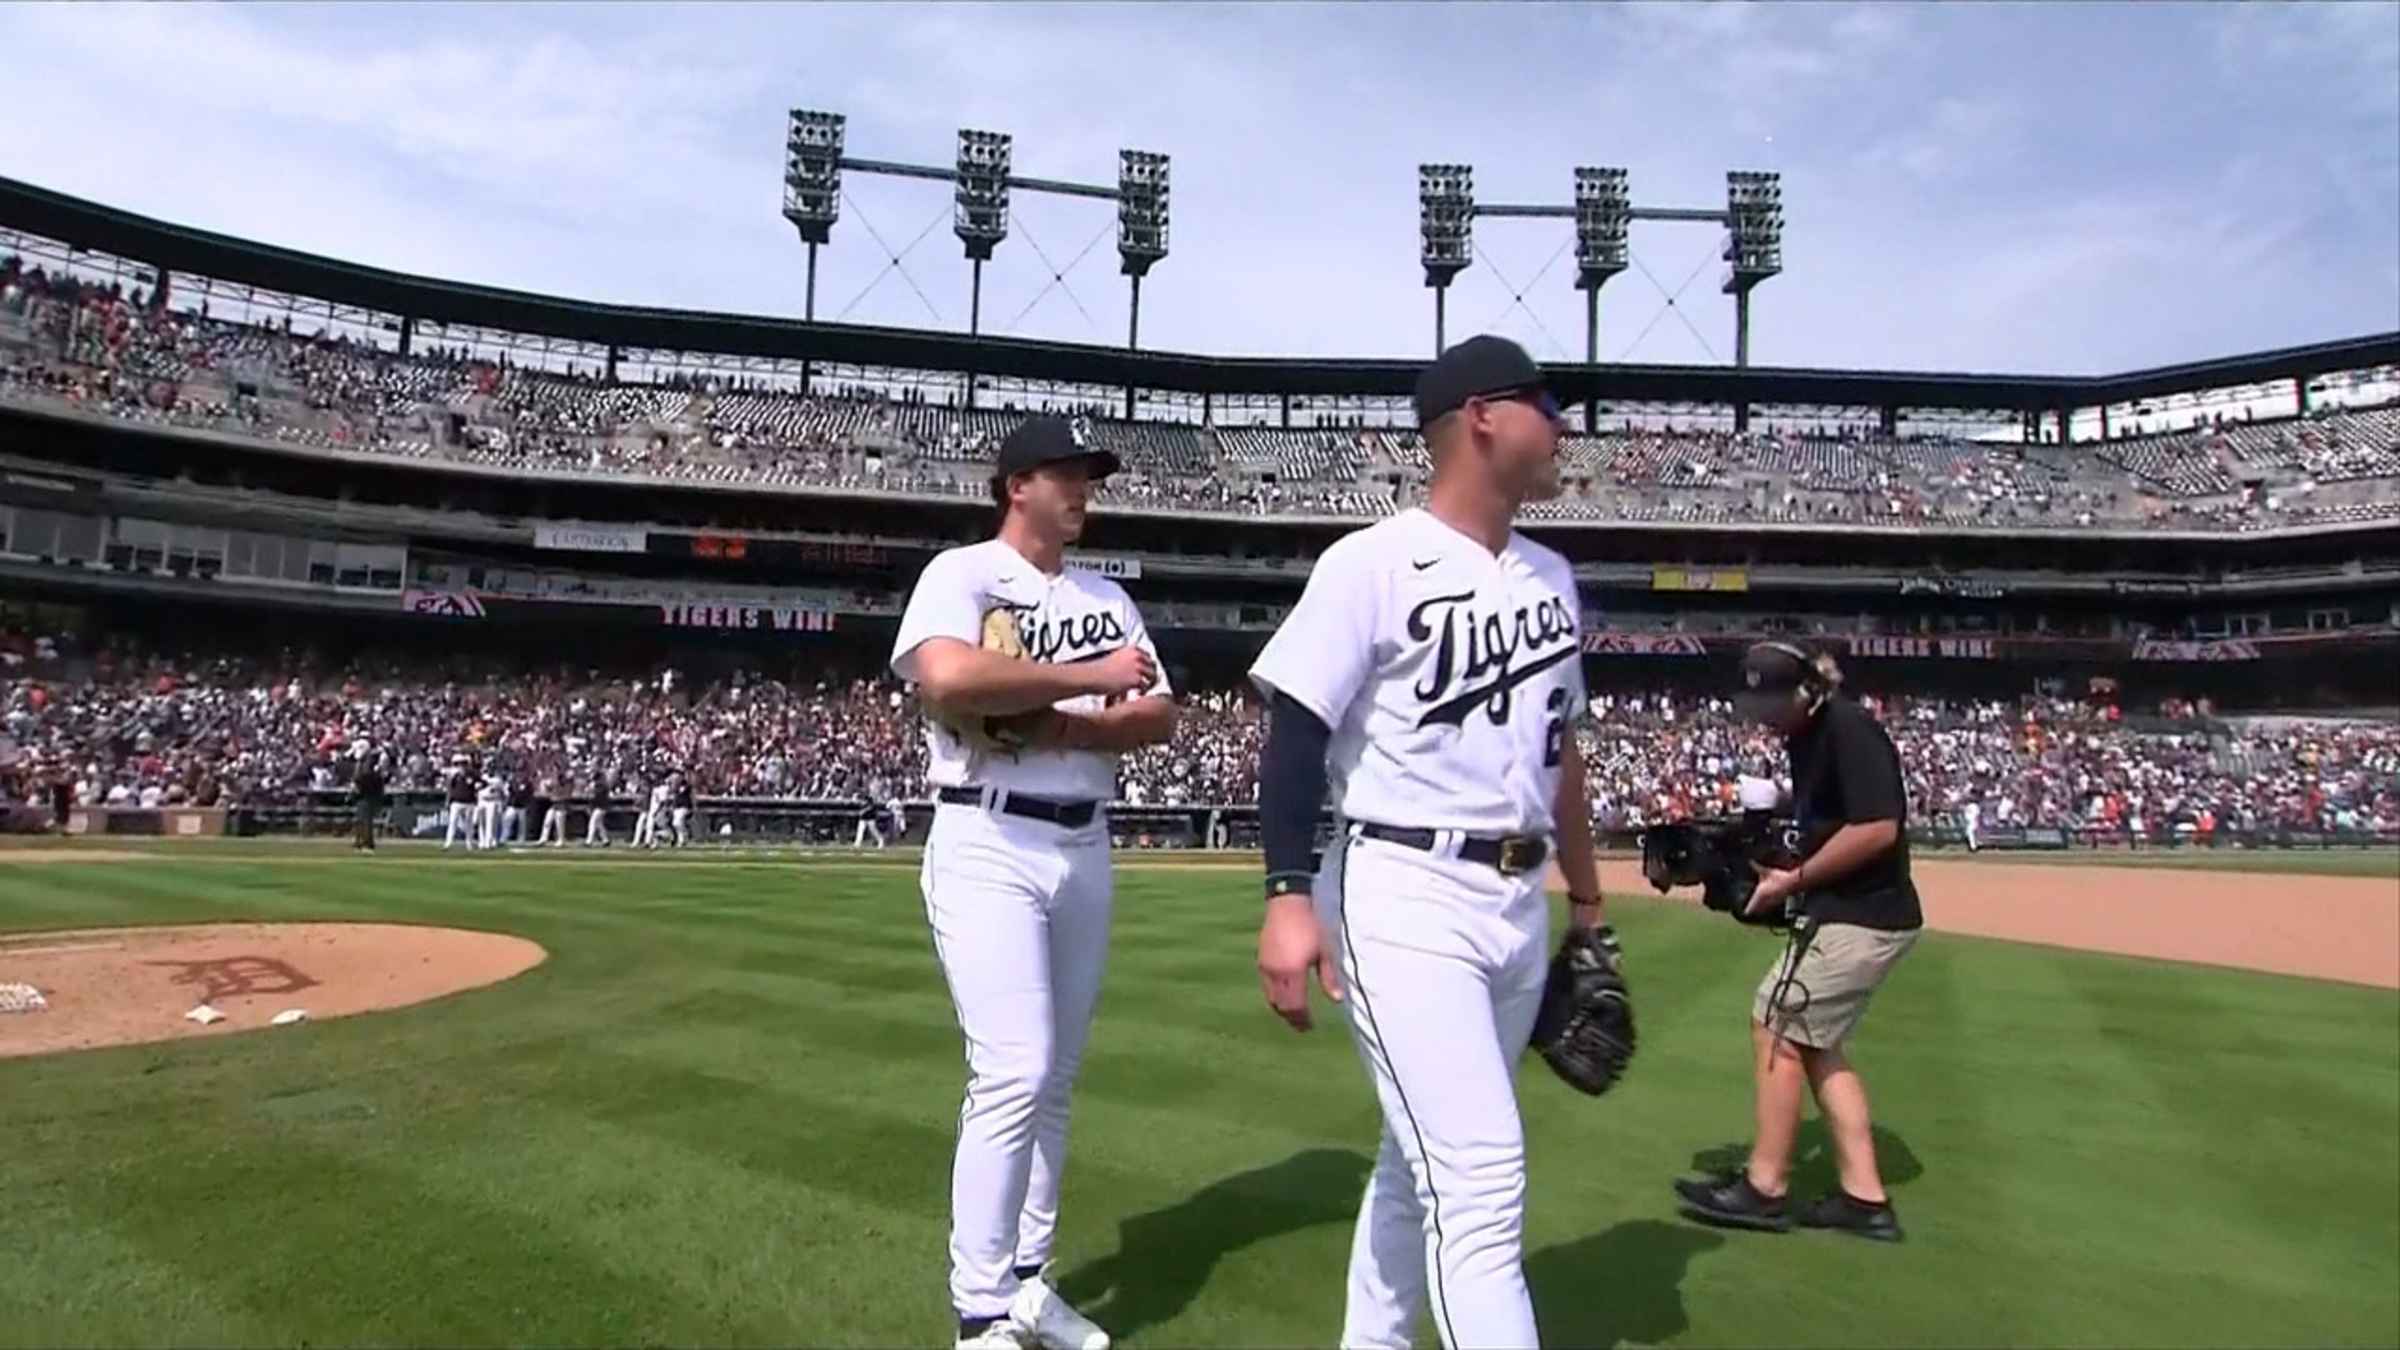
(1828, 993)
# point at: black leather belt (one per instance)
(1509, 854)
(1072, 815)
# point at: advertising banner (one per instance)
(1699, 578)
(1642, 644)
(591, 538)
(2222, 649)
(1917, 649)
(780, 618)
(1105, 564)
(446, 604)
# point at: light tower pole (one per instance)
(1141, 234)
(981, 217)
(1603, 211)
(1753, 245)
(1445, 229)
(812, 191)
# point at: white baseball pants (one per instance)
(595, 830)
(1020, 913)
(487, 824)
(1442, 965)
(554, 828)
(459, 822)
(683, 826)
(645, 828)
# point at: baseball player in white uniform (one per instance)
(653, 815)
(1431, 678)
(554, 816)
(1016, 869)
(487, 812)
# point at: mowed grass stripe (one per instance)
(869, 1053)
(2297, 1245)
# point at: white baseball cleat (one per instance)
(1000, 1335)
(1050, 1322)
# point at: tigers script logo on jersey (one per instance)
(1067, 637)
(1479, 650)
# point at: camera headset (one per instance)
(1819, 676)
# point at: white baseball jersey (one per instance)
(1074, 616)
(1449, 677)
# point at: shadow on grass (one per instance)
(1813, 1168)
(1624, 1284)
(1164, 1257)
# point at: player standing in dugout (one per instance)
(1035, 678)
(1855, 914)
(1432, 673)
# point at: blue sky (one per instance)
(2050, 187)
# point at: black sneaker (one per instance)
(1695, 1190)
(1736, 1204)
(1840, 1211)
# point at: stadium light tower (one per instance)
(1141, 225)
(1445, 229)
(982, 180)
(981, 200)
(1603, 213)
(1753, 245)
(812, 183)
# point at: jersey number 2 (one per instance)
(1554, 732)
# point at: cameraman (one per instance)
(1854, 914)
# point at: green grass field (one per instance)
(722, 1113)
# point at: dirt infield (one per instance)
(68, 855)
(121, 986)
(2327, 928)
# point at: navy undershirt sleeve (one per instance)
(1291, 789)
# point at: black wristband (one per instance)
(1574, 899)
(1289, 883)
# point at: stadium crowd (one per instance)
(103, 349)
(127, 725)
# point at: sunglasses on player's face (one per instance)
(1539, 398)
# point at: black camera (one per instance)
(1723, 859)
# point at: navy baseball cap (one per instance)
(1478, 368)
(1047, 440)
(1771, 674)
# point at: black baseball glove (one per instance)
(1585, 1028)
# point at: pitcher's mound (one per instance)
(119, 986)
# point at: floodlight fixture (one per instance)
(812, 183)
(1603, 214)
(1754, 239)
(1446, 220)
(812, 173)
(1141, 210)
(1753, 250)
(981, 199)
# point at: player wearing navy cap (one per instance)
(1431, 676)
(1035, 678)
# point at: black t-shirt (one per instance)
(1847, 769)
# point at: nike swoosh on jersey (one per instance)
(1454, 711)
(1421, 566)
